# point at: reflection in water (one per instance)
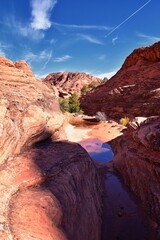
(98, 150)
(123, 219)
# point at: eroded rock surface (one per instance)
(133, 91)
(48, 190)
(137, 160)
(69, 82)
(29, 111)
(51, 191)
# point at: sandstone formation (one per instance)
(29, 111)
(137, 160)
(48, 190)
(133, 91)
(69, 82)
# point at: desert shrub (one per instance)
(93, 84)
(64, 104)
(85, 89)
(74, 103)
(124, 121)
(88, 87)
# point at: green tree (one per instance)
(93, 84)
(74, 103)
(85, 89)
(64, 104)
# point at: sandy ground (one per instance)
(78, 130)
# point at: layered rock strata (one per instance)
(133, 91)
(69, 82)
(137, 160)
(51, 192)
(48, 190)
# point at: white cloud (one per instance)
(62, 59)
(107, 74)
(41, 11)
(89, 39)
(148, 37)
(102, 57)
(81, 27)
(114, 40)
(24, 30)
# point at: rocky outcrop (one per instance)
(69, 82)
(137, 160)
(29, 111)
(51, 191)
(48, 190)
(133, 91)
(24, 67)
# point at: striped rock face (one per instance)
(45, 184)
(133, 91)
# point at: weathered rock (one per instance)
(133, 91)
(51, 191)
(69, 82)
(29, 111)
(48, 190)
(137, 160)
(24, 67)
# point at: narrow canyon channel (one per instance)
(123, 218)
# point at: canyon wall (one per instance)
(133, 91)
(137, 160)
(49, 188)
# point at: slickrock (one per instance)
(69, 82)
(48, 190)
(133, 91)
(137, 160)
(29, 111)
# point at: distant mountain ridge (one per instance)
(70, 82)
(133, 91)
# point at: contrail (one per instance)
(128, 18)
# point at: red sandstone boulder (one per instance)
(133, 91)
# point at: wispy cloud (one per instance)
(148, 37)
(41, 11)
(62, 58)
(114, 40)
(119, 25)
(22, 29)
(102, 57)
(3, 49)
(52, 41)
(107, 74)
(81, 27)
(89, 39)
(2, 53)
(44, 57)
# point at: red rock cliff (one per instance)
(133, 91)
(137, 160)
(48, 190)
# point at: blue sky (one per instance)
(93, 36)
